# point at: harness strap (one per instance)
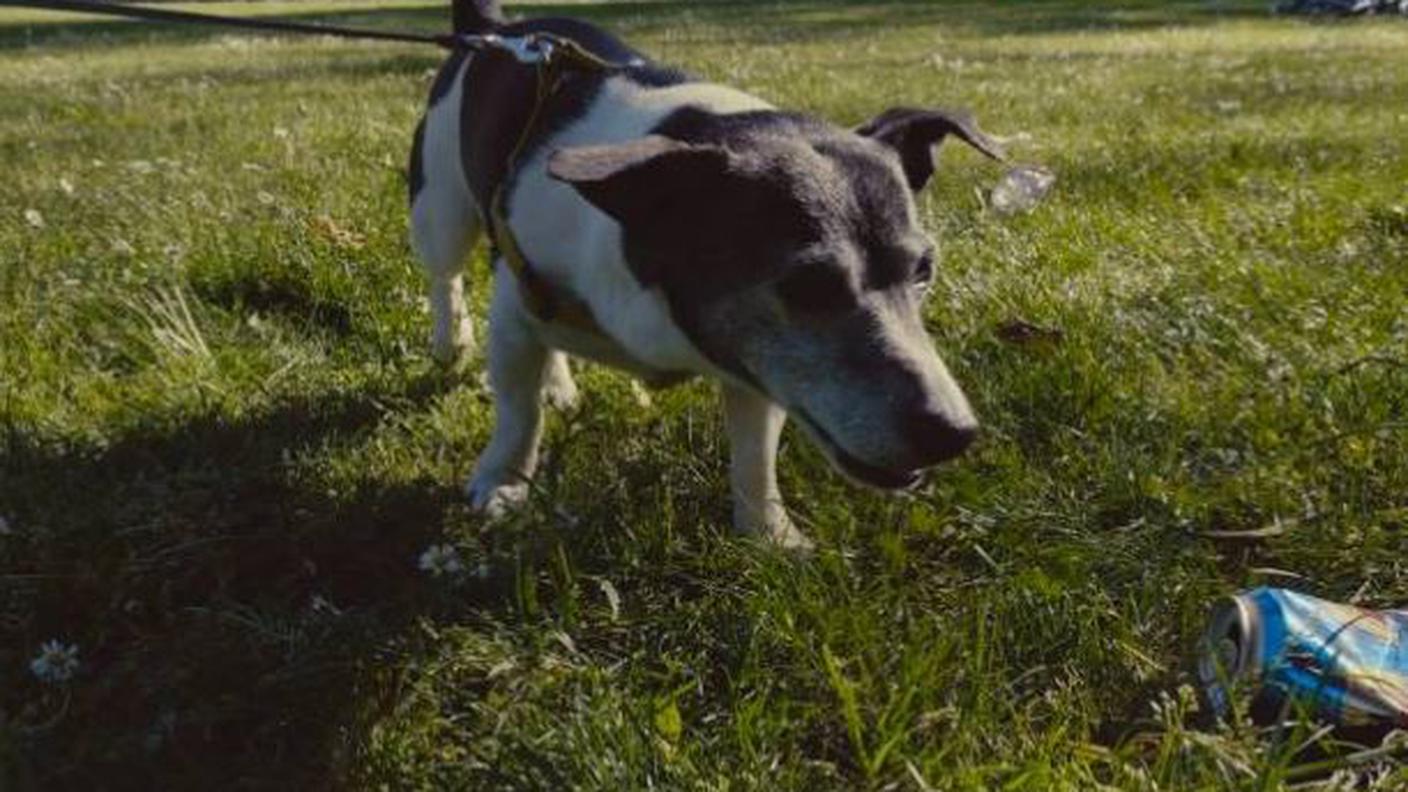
(546, 303)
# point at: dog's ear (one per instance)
(913, 133)
(697, 219)
(640, 180)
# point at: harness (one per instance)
(551, 57)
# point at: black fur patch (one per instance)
(724, 234)
(739, 230)
(764, 219)
(500, 94)
(415, 170)
(881, 227)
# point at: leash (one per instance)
(551, 57)
(448, 41)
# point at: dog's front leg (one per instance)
(518, 364)
(754, 426)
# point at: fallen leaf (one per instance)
(342, 237)
(1020, 331)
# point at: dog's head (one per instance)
(791, 255)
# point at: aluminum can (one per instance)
(1346, 665)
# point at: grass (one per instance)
(223, 445)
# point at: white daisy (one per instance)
(56, 662)
(441, 560)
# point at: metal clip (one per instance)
(530, 49)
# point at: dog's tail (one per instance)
(476, 16)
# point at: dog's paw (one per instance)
(561, 394)
(495, 499)
(451, 346)
(559, 389)
(775, 529)
(787, 537)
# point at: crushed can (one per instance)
(1347, 665)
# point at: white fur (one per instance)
(445, 225)
(754, 427)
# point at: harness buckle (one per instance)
(531, 49)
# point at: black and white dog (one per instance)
(707, 233)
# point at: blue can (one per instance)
(1348, 665)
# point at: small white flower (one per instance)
(322, 606)
(122, 247)
(56, 662)
(34, 218)
(265, 198)
(281, 133)
(441, 560)
(66, 186)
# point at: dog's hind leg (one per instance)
(754, 427)
(444, 224)
(518, 369)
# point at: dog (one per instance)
(702, 232)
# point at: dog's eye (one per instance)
(818, 290)
(924, 269)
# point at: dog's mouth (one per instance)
(863, 472)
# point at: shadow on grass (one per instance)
(747, 21)
(279, 294)
(240, 627)
(243, 620)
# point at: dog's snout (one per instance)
(937, 438)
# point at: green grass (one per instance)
(223, 445)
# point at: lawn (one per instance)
(224, 447)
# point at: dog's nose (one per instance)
(937, 438)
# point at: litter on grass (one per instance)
(1020, 189)
(1347, 665)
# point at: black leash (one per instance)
(448, 41)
